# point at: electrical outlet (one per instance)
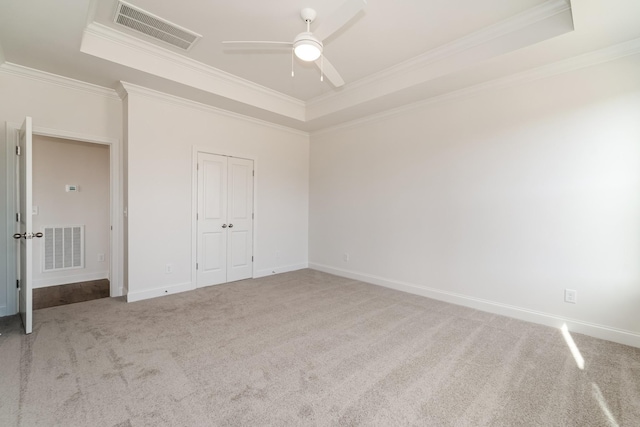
(570, 296)
(346, 257)
(100, 257)
(168, 269)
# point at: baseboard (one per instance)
(4, 312)
(158, 292)
(282, 269)
(598, 331)
(65, 280)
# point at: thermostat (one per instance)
(71, 187)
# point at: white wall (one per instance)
(56, 163)
(162, 132)
(500, 201)
(55, 104)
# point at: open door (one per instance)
(25, 224)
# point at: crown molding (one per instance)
(475, 47)
(99, 40)
(65, 82)
(610, 53)
(130, 88)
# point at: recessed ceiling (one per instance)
(390, 54)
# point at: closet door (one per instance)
(212, 220)
(240, 218)
(225, 219)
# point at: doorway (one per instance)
(19, 210)
(70, 207)
(224, 219)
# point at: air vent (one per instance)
(153, 26)
(63, 247)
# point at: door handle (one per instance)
(224, 225)
(230, 225)
(27, 235)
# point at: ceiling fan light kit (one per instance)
(307, 46)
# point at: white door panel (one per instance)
(239, 265)
(25, 243)
(212, 206)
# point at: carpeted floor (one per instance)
(305, 348)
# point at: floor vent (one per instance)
(63, 247)
(160, 29)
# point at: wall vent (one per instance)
(63, 247)
(160, 29)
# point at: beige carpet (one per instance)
(305, 348)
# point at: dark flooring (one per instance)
(53, 296)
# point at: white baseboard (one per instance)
(586, 328)
(282, 269)
(161, 291)
(72, 278)
(4, 311)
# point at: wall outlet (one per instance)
(100, 257)
(570, 296)
(346, 257)
(168, 269)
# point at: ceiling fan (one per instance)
(307, 46)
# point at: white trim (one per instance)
(72, 278)
(585, 60)
(74, 136)
(599, 331)
(54, 79)
(510, 25)
(159, 292)
(107, 43)
(176, 100)
(537, 24)
(282, 269)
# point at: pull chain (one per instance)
(292, 75)
(321, 68)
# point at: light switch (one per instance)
(34, 210)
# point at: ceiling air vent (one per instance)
(151, 25)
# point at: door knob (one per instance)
(19, 235)
(38, 235)
(230, 225)
(224, 225)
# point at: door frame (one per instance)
(115, 202)
(194, 205)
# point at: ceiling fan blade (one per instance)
(257, 45)
(330, 71)
(339, 18)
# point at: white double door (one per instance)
(224, 219)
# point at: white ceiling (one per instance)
(391, 54)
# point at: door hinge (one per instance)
(251, 259)
(17, 284)
(18, 217)
(253, 173)
(18, 152)
(197, 166)
(252, 215)
(196, 265)
(197, 216)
